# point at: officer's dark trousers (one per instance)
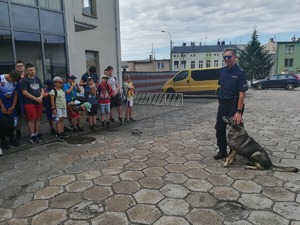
(226, 108)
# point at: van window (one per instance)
(200, 75)
(181, 76)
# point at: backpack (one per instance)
(78, 108)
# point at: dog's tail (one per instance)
(284, 169)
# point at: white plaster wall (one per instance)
(105, 38)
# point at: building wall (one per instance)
(148, 66)
(104, 39)
(197, 57)
(149, 81)
(282, 55)
(43, 33)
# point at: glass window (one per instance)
(28, 49)
(51, 4)
(207, 63)
(4, 21)
(288, 62)
(26, 2)
(92, 59)
(181, 76)
(89, 7)
(200, 64)
(52, 22)
(289, 49)
(216, 63)
(55, 56)
(27, 18)
(176, 65)
(183, 64)
(6, 50)
(193, 65)
(160, 65)
(210, 74)
(223, 63)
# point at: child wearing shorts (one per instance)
(59, 107)
(104, 91)
(129, 93)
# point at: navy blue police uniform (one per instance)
(232, 81)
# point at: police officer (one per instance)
(231, 95)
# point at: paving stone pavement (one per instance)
(164, 176)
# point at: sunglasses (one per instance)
(227, 56)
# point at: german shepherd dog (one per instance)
(240, 143)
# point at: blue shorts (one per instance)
(104, 108)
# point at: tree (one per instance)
(255, 60)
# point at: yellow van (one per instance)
(194, 81)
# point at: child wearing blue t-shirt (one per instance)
(8, 101)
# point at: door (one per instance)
(204, 81)
(181, 82)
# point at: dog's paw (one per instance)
(224, 164)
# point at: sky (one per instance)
(205, 21)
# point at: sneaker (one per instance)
(107, 124)
(126, 120)
(53, 132)
(60, 137)
(91, 127)
(39, 136)
(96, 126)
(5, 144)
(14, 142)
(34, 139)
(79, 129)
(102, 124)
(120, 120)
(1, 153)
(68, 129)
(18, 135)
(74, 130)
(112, 120)
(64, 135)
(132, 120)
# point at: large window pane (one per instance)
(89, 7)
(6, 52)
(27, 2)
(51, 4)
(4, 21)
(28, 49)
(52, 22)
(55, 56)
(26, 19)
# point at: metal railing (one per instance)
(170, 99)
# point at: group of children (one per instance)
(22, 93)
(60, 100)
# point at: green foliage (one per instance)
(255, 60)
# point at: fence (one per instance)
(151, 82)
(170, 99)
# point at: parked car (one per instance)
(287, 81)
(194, 81)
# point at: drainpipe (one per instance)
(118, 41)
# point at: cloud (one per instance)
(201, 21)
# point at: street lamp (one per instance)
(164, 31)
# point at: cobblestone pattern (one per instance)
(166, 176)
